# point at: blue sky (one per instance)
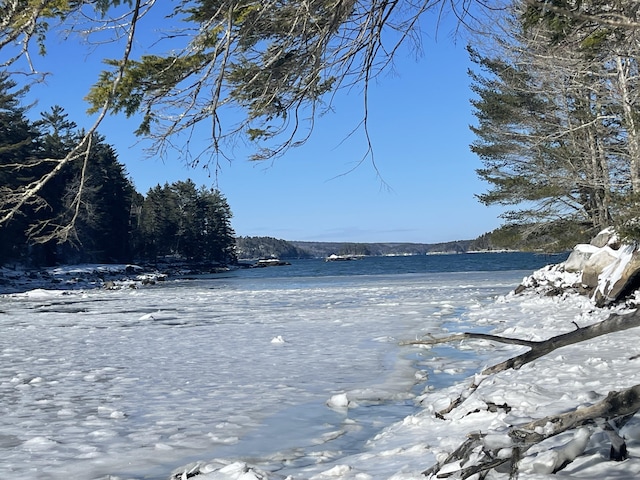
(419, 116)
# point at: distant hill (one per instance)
(558, 236)
(265, 247)
(324, 249)
(551, 237)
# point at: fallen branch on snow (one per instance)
(614, 323)
(488, 455)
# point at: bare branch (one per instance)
(13, 202)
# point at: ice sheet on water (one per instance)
(105, 390)
(108, 379)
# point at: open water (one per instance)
(250, 364)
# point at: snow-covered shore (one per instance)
(88, 276)
(74, 277)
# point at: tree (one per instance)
(159, 222)
(218, 236)
(556, 127)
(278, 62)
(181, 220)
(17, 142)
(101, 216)
(104, 228)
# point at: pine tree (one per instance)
(549, 125)
(159, 223)
(17, 146)
(101, 224)
(193, 224)
(218, 235)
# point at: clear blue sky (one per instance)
(419, 116)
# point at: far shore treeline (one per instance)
(504, 238)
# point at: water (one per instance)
(472, 262)
(136, 383)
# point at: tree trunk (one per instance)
(614, 323)
(629, 119)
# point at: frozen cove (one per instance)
(299, 377)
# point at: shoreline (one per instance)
(19, 279)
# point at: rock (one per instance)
(606, 237)
(554, 292)
(620, 277)
(519, 289)
(131, 269)
(579, 256)
(595, 264)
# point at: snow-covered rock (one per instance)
(579, 256)
(605, 269)
(620, 277)
(606, 237)
(595, 265)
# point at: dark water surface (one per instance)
(398, 265)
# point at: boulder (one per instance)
(605, 237)
(595, 264)
(620, 277)
(578, 257)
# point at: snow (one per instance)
(187, 377)
(613, 273)
(550, 460)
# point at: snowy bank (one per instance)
(605, 270)
(88, 276)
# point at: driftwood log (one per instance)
(622, 404)
(614, 323)
(609, 414)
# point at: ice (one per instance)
(111, 378)
(142, 383)
(339, 401)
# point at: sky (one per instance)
(422, 188)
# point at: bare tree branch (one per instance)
(614, 323)
(14, 201)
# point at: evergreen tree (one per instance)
(104, 227)
(552, 132)
(218, 236)
(57, 137)
(159, 222)
(18, 139)
(181, 220)
(190, 220)
(95, 191)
